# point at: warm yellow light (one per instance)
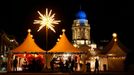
(63, 30)
(47, 20)
(58, 39)
(11, 40)
(75, 45)
(29, 30)
(65, 56)
(115, 40)
(114, 35)
(31, 36)
(93, 46)
(35, 55)
(60, 36)
(24, 55)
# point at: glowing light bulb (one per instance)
(114, 35)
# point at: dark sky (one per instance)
(105, 17)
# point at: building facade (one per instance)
(81, 30)
(7, 43)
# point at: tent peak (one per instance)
(63, 30)
(29, 30)
(114, 35)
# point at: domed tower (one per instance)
(81, 29)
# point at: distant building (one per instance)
(111, 55)
(7, 42)
(81, 30)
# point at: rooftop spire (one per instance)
(80, 14)
(80, 7)
(63, 30)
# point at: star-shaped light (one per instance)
(47, 20)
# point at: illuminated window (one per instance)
(87, 42)
(82, 41)
(93, 46)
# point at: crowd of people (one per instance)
(31, 64)
(71, 65)
(56, 64)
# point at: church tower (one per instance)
(81, 30)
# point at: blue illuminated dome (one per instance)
(81, 15)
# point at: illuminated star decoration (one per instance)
(47, 20)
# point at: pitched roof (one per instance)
(28, 45)
(63, 45)
(85, 48)
(115, 47)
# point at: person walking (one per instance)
(96, 65)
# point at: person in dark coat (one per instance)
(88, 69)
(52, 64)
(96, 65)
(15, 62)
(72, 65)
(61, 65)
(67, 65)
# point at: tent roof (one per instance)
(28, 45)
(64, 46)
(85, 48)
(115, 47)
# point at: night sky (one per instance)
(105, 17)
